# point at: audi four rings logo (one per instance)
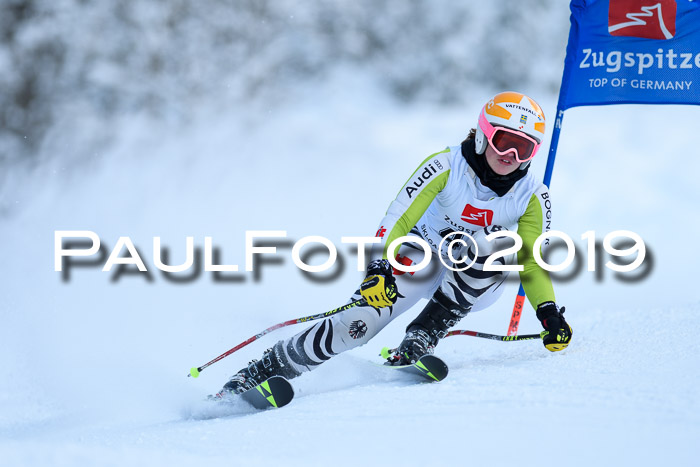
(476, 216)
(649, 19)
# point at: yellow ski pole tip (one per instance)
(386, 352)
(194, 372)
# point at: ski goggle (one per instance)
(504, 140)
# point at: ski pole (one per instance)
(386, 351)
(483, 335)
(194, 372)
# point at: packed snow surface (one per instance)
(95, 364)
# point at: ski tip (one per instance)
(274, 392)
(194, 372)
(385, 353)
(433, 367)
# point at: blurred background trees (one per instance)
(72, 69)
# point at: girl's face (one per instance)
(502, 165)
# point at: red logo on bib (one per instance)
(476, 216)
(406, 261)
(650, 19)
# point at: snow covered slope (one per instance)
(95, 366)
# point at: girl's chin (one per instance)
(505, 169)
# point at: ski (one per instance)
(429, 367)
(275, 392)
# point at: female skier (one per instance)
(477, 188)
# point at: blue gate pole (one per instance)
(553, 148)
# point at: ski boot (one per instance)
(414, 345)
(424, 332)
(273, 363)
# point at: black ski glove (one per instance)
(557, 332)
(379, 287)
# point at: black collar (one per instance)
(501, 184)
